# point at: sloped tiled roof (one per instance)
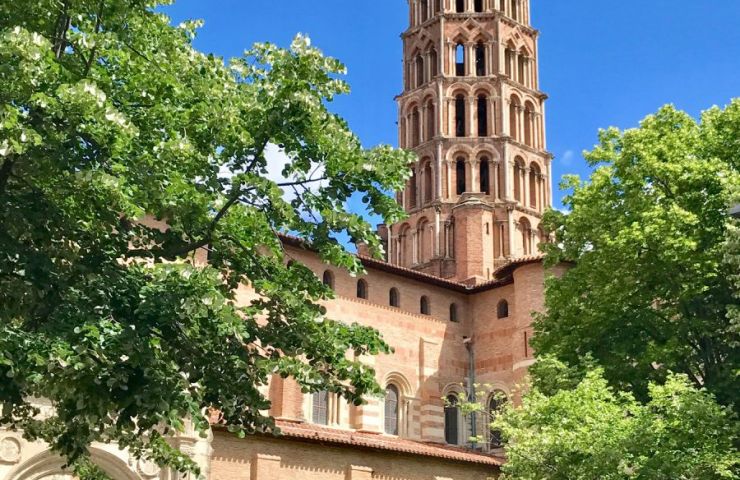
(376, 441)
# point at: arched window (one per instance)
(412, 190)
(453, 313)
(320, 402)
(391, 410)
(460, 6)
(424, 306)
(362, 289)
(431, 120)
(460, 174)
(328, 279)
(518, 175)
(502, 309)
(514, 107)
(394, 299)
(452, 413)
(428, 183)
(416, 126)
(534, 184)
(424, 10)
(420, 80)
(509, 58)
(480, 60)
(497, 401)
(460, 116)
(433, 62)
(526, 229)
(460, 60)
(482, 116)
(478, 6)
(485, 176)
(522, 70)
(437, 6)
(514, 9)
(529, 124)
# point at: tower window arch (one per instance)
(427, 172)
(424, 307)
(394, 299)
(412, 191)
(485, 177)
(502, 309)
(514, 9)
(391, 409)
(478, 6)
(526, 229)
(480, 60)
(514, 109)
(482, 116)
(328, 279)
(416, 127)
(460, 6)
(433, 60)
(460, 116)
(453, 313)
(460, 60)
(518, 178)
(452, 417)
(534, 184)
(460, 175)
(424, 10)
(529, 124)
(420, 80)
(362, 289)
(431, 120)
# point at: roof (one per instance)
(502, 276)
(376, 441)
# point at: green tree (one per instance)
(108, 114)
(592, 432)
(650, 291)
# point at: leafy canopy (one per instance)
(650, 289)
(593, 432)
(109, 115)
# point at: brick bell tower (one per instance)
(472, 111)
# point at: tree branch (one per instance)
(98, 26)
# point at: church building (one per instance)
(454, 297)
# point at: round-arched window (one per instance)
(503, 309)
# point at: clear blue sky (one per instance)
(602, 62)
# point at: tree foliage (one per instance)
(593, 432)
(108, 114)
(650, 289)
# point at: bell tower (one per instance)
(472, 111)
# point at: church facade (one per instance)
(454, 296)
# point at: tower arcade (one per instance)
(472, 111)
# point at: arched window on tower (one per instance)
(419, 71)
(460, 6)
(391, 410)
(478, 6)
(529, 116)
(514, 9)
(416, 127)
(482, 116)
(522, 70)
(460, 116)
(413, 190)
(480, 60)
(508, 60)
(514, 109)
(485, 176)
(431, 120)
(428, 183)
(460, 60)
(526, 230)
(534, 186)
(460, 175)
(433, 60)
(362, 289)
(452, 414)
(518, 176)
(424, 10)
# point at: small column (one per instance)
(470, 130)
(474, 174)
(423, 124)
(438, 178)
(491, 117)
(496, 177)
(510, 232)
(507, 166)
(526, 194)
(437, 224)
(470, 59)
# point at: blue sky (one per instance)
(602, 62)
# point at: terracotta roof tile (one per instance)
(317, 433)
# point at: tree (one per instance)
(109, 115)
(593, 432)
(649, 291)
